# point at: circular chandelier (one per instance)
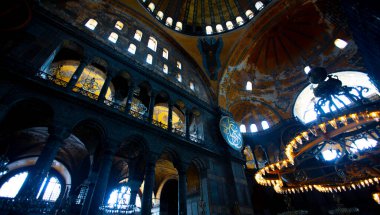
(336, 153)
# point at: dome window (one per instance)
(191, 85)
(341, 44)
(178, 26)
(149, 59)
(91, 24)
(307, 69)
(179, 77)
(179, 65)
(265, 125)
(219, 28)
(249, 14)
(169, 22)
(138, 35)
(119, 25)
(239, 20)
(132, 48)
(151, 7)
(152, 43)
(165, 69)
(160, 15)
(253, 127)
(259, 5)
(229, 25)
(248, 86)
(165, 53)
(243, 129)
(113, 37)
(209, 30)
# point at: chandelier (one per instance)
(339, 151)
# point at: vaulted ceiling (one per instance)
(271, 51)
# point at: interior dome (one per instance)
(206, 17)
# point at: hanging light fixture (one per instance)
(335, 153)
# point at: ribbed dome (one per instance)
(204, 17)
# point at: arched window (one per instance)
(132, 48)
(152, 43)
(165, 53)
(330, 154)
(249, 14)
(209, 30)
(149, 59)
(243, 129)
(264, 125)
(165, 69)
(151, 7)
(239, 20)
(248, 86)
(179, 77)
(191, 85)
(362, 144)
(160, 15)
(219, 28)
(179, 65)
(229, 25)
(113, 37)
(253, 127)
(51, 190)
(119, 25)
(169, 22)
(91, 24)
(341, 44)
(120, 199)
(178, 26)
(307, 69)
(259, 5)
(138, 35)
(304, 105)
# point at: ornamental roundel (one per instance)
(231, 132)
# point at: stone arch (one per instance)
(67, 50)
(91, 132)
(24, 112)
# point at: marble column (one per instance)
(146, 205)
(170, 117)
(151, 106)
(103, 91)
(129, 98)
(57, 134)
(78, 72)
(204, 204)
(182, 189)
(187, 121)
(102, 180)
(135, 187)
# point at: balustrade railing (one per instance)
(27, 206)
(85, 93)
(159, 124)
(179, 132)
(115, 105)
(120, 107)
(124, 209)
(52, 78)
